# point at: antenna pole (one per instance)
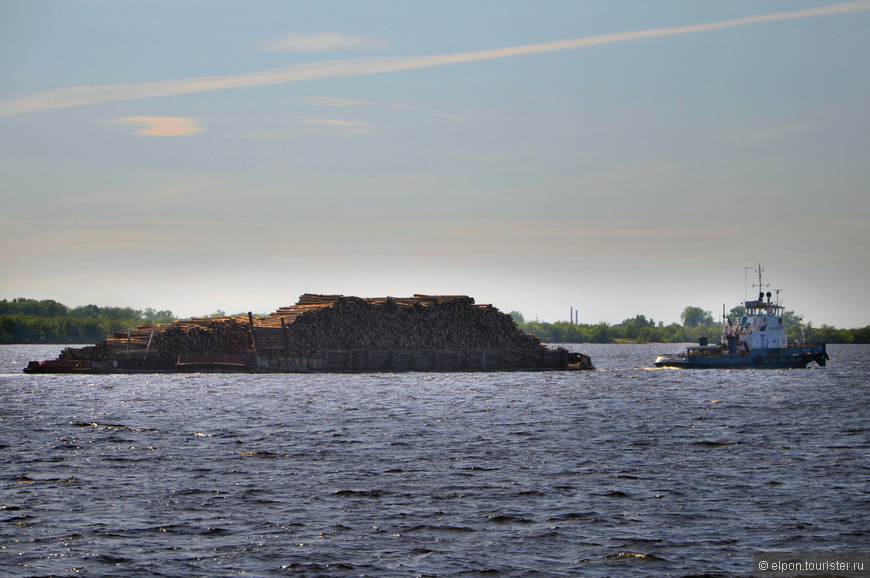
(760, 271)
(760, 285)
(746, 284)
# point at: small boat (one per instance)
(756, 340)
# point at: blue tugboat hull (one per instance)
(795, 356)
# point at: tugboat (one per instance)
(757, 340)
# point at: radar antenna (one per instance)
(760, 284)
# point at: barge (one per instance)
(328, 333)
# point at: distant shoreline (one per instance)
(47, 322)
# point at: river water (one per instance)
(622, 471)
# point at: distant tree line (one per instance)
(31, 321)
(695, 323)
(46, 321)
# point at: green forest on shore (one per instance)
(696, 323)
(46, 321)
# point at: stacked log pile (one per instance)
(158, 346)
(220, 336)
(422, 332)
(419, 322)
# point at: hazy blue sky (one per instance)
(616, 157)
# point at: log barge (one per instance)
(328, 333)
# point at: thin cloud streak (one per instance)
(342, 123)
(346, 126)
(325, 42)
(547, 230)
(165, 125)
(88, 95)
(331, 101)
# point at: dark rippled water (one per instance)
(618, 472)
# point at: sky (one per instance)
(611, 158)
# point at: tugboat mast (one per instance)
(760, 285)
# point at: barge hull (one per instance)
(347, 361)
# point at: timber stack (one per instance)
(329, 333)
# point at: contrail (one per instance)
(85, 95)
